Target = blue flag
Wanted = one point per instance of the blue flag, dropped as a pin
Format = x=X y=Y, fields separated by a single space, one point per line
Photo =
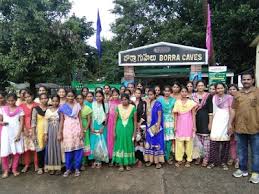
x=98 y=35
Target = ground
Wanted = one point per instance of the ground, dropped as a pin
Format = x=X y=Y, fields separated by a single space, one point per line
x=146 y=180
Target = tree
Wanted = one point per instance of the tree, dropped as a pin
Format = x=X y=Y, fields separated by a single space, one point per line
x=40 y=43
x=234 y=25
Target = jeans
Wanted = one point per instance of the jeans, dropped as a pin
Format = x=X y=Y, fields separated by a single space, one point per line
x=242 y=142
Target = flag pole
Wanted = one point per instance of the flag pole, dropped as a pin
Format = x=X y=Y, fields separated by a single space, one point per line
x=98 y=42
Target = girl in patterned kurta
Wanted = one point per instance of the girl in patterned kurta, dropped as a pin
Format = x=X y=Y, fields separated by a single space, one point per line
x=29 y=147
x=124 y=133
x=154 y=145
x=168 y=104
x=220 y=125
x=86 y=113
x=11 y=119
x=37 y=124
x=51 y=130
x=185 y=128
x=203 y=120
x=71 y=131
x=113 y=103
x=98 y=125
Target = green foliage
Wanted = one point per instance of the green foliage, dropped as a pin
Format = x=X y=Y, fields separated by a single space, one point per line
x=234 y=26
x=39 y=42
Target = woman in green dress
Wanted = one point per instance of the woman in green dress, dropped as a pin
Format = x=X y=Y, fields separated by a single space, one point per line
x=86 y=112
x=125 y=130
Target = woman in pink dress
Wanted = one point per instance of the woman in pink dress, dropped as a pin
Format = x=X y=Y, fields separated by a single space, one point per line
x=185 y=127
x=113 y=103
x=71 y=132
x=29 y=147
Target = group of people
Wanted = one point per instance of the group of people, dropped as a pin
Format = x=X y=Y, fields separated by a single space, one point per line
x=132 y=126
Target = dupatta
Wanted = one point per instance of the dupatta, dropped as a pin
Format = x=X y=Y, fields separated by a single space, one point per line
x=201 y=103
x=152 y=118
x=70 y=111
x=224 y=102
x=12 y=114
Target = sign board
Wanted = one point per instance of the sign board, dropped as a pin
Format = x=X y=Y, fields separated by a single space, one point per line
x=217 y=74
x=165 y=54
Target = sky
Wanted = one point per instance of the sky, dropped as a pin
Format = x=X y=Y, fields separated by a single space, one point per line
x=88 y=8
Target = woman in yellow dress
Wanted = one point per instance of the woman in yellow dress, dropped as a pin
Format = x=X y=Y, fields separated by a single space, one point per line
x=37 y=124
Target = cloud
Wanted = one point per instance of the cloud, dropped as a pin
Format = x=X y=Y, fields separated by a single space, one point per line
x=88 y=8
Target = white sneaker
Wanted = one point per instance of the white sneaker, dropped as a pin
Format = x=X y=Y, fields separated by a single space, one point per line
x=239 y=173
x=254 y=178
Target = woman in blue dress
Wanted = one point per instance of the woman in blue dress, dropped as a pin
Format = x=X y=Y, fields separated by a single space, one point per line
x=154 y=146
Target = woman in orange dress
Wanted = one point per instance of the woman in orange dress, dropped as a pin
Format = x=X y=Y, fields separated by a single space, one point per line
x=29 y=147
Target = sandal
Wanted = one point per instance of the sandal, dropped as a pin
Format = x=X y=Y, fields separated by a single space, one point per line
x=5 y=175
x=170 y=161
x=211 y=166
x=230 y=162
x=82 y=168
x=77 y=173
x=40 y=171
x=111 y=164
x=158 y=166
x=93 y=165
x=128 y=168
x=121 y=169
x=67 y=173
x=25 y=169
x=178 y=164
x=198 y=161
x=36 y=168
x=187 y=165
x=51 y=172
x=99 y=165
x=224 y=166
x=204 y=164
x=15 y=174
x=237 y=165
x=148 y=164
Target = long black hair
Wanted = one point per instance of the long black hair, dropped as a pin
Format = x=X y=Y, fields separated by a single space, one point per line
x=101 y=92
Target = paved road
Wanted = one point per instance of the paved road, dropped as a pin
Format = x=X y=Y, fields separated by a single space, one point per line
x=146 y=180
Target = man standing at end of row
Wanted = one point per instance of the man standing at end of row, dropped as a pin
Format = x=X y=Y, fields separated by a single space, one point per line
x=246 y=126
